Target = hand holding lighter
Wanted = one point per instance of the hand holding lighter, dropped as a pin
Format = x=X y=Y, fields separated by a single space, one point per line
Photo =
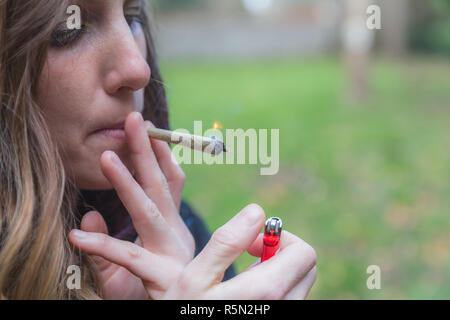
x=272 y=233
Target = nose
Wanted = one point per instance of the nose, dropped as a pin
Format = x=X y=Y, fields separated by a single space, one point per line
x=126 y=68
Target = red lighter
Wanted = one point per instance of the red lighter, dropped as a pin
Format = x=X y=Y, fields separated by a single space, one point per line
x=272 y=233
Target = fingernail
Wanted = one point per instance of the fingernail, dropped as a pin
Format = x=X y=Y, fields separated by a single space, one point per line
x=114 y=158
x=79 y=234
x=252 y=214
x=138 y=115
x=150 y=124
x=141 y=119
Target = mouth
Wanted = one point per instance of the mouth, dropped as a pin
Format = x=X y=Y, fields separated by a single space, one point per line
x=114 y=131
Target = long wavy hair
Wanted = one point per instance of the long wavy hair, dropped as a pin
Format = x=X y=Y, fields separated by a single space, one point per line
x=39 y=205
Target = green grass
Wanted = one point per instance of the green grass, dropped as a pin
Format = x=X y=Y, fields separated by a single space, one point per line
x=362 y=183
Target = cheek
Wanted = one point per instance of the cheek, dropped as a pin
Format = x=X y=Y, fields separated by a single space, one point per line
x=60 y=93
x=64 y=92
x=70 y=92
x=67 y=91
x=51 y=96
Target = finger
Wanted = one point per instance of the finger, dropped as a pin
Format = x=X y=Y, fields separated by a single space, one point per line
x=139 y=261
x=172 y=171
x=274 y=278
x=301 y=291
x=148 y=172
x=138 y=241
x=254 y=264
x=94 y=222
x=150 y=225
x=256 y=248
x=226 y=245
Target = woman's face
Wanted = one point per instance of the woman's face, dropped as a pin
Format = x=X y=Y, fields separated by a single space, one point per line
x=91 y=82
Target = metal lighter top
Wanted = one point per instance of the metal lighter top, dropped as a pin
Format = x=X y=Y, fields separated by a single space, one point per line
x=273 y=226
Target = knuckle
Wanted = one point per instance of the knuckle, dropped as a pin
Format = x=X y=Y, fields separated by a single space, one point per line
x=165 y=187
x=185 y=257
x=158 y=183
x=151 y=209
x=225 y=240
x=162 y=183
x=310 y=254
x=161 y=179
x=135 y=152
x=103 y=242
x=180 y=176
x=188 y=251
x=134 y=251
x=284 y=284
x=272 y=294
x=306 y=254
x=185 y=282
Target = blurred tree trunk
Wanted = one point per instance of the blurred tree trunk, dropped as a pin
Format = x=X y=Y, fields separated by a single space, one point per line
x=357 y=43
x=396 y=20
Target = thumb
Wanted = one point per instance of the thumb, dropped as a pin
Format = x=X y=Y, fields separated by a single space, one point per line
x=227 y=244
x=256 y=248
x=93 y=222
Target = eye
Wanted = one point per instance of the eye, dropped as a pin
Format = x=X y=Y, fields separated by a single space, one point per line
x=64 y=37
x=134 y=21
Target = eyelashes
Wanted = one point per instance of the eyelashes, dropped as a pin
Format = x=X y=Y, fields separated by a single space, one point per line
x=65 y=37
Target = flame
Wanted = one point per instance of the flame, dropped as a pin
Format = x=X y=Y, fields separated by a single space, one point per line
x=217 y=125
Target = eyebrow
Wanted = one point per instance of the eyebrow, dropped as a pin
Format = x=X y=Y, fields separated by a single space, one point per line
x=93 y=7
x=101 y=3
x=134 y=4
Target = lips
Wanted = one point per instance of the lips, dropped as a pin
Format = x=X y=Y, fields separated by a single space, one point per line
x=115 y=131
x=111 y=126
x=119 y=125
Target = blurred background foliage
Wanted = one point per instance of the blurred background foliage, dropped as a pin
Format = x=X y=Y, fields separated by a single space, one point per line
x=178 y=4
x=364 y=129
x=431 y=31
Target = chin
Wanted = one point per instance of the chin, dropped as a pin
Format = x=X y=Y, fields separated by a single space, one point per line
x=94 y=184
x=95 y=180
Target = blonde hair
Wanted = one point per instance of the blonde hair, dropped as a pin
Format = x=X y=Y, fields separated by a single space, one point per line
x=38 y=206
